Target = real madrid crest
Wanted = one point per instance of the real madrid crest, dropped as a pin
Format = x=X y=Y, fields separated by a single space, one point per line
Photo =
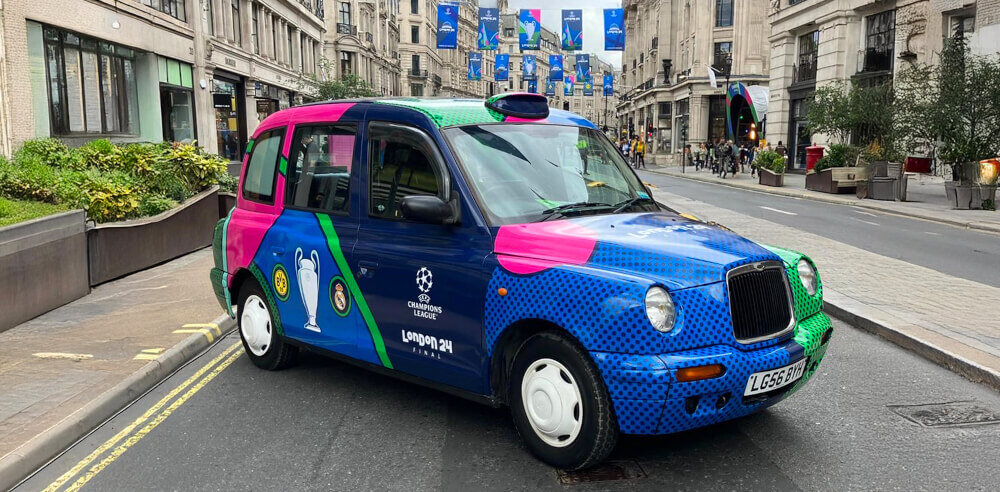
x=340 y=297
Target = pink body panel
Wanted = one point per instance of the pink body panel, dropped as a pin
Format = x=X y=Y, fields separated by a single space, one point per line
x=530 y=248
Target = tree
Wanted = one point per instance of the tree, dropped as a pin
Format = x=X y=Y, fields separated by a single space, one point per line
x=347 y=86
x=852 y=113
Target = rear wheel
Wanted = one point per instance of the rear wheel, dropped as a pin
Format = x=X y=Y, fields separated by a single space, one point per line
x=257 y=330
x=559 y=403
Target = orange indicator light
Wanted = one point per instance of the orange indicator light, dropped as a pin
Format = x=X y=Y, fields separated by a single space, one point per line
x=699 y=373
x=502 y=291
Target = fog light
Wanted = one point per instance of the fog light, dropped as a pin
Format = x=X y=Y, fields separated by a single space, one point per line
x=699 y=373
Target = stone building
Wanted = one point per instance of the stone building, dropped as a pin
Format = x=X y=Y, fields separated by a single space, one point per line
x=670 y=45
x=152 y=70
x=510 y=44
x=362 y=37
x=818 y=42
x=420 y=59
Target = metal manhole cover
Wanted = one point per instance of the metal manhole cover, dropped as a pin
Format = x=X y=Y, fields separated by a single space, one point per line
x=607 y=471
x=948 y=414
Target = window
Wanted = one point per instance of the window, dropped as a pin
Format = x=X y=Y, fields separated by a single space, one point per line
x=416 y=90
x=173 y=8
x=254 y=35
x=274 y=38
x=92 y=85
x=415 y=34
x=291 y=47
x=258 y=183
x=346 y=63
x=723 y=57
x=415 y=62
x=320 y=172
x=237 y=32
x=808 y=49
x=414 y=6
x=962 y=25
x=723 y=13
x=880 y=32
x=345 y=13
x=402 y=164
x=508 y=32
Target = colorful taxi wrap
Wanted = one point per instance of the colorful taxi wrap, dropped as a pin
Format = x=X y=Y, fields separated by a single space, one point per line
x=648 y=399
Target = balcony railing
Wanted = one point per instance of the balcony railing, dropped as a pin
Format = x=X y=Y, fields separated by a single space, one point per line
x=436 y=78
x=369 y=37
x=805 y=71
x=875 y=60
x=416 y=72
x=347 y=29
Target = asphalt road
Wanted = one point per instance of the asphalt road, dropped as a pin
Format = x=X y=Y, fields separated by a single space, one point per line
x=327 y=425
x=952 y=250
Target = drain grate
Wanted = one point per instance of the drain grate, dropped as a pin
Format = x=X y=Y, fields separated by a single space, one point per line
x=949 y=414
x=607 y=471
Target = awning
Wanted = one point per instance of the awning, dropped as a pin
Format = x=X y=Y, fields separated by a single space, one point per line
x=756 y=97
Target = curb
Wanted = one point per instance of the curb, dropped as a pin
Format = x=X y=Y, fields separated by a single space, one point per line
x=951 y=354
x=978 y=226
x=37 y=452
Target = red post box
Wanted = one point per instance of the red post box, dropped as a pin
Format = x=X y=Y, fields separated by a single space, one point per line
x=813 y=154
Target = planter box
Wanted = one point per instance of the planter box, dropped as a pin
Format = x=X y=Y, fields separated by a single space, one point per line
x=226 y=203
x=835 y=180
x=964 y=197
x=121 y=248
x=767 y=178
x=43 y=265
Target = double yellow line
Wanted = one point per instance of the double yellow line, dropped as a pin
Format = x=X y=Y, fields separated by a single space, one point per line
x=192 y=384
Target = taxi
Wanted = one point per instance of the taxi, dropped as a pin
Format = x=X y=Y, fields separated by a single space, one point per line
x=504 y=251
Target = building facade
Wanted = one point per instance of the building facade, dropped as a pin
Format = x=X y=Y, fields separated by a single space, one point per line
x=153 y=70
x=362 y=38
x=668 y=97
x=818 y=42
x=420 y=60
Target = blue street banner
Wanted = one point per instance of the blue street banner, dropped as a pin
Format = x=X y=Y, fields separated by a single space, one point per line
x=502 y=71
x=614 y=35
x=529 y=28
x=475 y=66
x=568 y=85
x=489 y=29
x=588 y=88
x=447 y=30
x=550 y=88
x=533 y=86
x=583 y=67
x=529 y=67
x=572 y=30
x=555 y=67
x=609 y=84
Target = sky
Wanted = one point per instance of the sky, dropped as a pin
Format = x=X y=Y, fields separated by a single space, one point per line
x=593 y=21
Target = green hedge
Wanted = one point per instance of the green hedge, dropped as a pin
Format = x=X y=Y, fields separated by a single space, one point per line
x=838 y=155
x=770 y=160
x=111 y=182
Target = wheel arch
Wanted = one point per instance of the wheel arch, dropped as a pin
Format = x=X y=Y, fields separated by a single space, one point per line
x=509 y=343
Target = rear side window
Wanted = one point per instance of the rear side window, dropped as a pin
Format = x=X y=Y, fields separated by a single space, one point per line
x=258 y=183
x=403 y=163
x=319 y=176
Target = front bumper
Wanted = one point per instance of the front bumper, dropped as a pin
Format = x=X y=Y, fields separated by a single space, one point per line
x=648 y=399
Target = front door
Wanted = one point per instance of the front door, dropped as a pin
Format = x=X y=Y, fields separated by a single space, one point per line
x=425 y=283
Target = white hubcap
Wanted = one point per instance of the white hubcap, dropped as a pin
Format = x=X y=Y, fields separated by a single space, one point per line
x=255 y=325
x=552 y=402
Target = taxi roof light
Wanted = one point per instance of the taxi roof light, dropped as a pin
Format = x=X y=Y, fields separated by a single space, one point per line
x=698 y=373
x=520 y=105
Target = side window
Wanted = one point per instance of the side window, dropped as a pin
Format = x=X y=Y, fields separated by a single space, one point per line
x=403 y=162
x=319 y=175
x=258 y=182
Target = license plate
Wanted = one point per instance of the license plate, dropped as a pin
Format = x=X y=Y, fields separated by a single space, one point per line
x=764 y=381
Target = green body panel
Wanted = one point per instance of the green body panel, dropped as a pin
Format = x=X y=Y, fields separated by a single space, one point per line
x=449 y=112
x=269 y=294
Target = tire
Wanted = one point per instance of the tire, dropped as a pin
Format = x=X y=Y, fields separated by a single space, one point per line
x=261 y=340
x=552 y=432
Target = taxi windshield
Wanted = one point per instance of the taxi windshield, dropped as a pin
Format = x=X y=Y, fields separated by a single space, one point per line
x=530 y=173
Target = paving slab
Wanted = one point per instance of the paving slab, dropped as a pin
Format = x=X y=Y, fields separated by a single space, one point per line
x=70 y=359
x=925 y=197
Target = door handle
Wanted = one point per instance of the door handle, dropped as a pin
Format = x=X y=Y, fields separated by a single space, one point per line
x=278 y=251
x=367 y=268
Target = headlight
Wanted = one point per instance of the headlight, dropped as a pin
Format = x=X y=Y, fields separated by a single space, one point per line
x=807 y=274
x=660 y=309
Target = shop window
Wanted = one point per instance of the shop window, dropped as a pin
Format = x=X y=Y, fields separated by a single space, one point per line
x=92 y=85
x=173 y=8
x=258 y=183
x=320 y=172
x=176 y=100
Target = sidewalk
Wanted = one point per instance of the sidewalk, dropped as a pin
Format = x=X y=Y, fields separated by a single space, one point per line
x=57 y=370
x=950 y=320
x=925 y=197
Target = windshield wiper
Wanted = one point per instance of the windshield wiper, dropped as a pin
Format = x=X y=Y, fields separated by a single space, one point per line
x=572 y=207
x=621 y=207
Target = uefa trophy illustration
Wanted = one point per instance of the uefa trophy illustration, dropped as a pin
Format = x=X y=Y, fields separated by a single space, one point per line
x=307 y=271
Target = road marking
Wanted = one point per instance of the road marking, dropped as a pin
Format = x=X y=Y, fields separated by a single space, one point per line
x=149 y=354
x=865 y=213
x=62 y=355
x=208 y=330
x=778 y=210
x=867 y=222
x=931 y=233
x=120 y=450
x=138 y=421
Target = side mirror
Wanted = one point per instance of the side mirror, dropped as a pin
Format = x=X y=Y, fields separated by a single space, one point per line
x=426 y=208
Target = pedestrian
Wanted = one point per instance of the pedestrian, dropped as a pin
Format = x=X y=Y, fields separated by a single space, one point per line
x=699 y=156
x=751 y=154
x=640 y=154
x=711 y=157
x=631 y=151
x=780 y=149
x=735 y=154
x=724 y=155
x=743 y=157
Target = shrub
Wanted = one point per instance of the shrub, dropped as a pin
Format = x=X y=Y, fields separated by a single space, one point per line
x=228 y=183
x=48 y=151
x=110 y=196
x=770 y=160
x=199 y=169
x=838 y=155
x=154 y=204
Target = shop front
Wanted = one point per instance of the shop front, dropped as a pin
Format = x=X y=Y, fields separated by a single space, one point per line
x=177 y=100
x=228 y=101
x=746 y=110
x=271 y=99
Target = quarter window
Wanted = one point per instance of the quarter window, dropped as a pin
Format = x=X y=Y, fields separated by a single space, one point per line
x=258 y=182
x=319 y=175
x=402 y=164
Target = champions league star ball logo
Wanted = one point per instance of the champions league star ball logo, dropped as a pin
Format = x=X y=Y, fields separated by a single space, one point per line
x=425 y=280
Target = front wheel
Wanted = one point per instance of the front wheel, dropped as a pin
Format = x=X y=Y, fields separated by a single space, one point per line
x=559 y=403
x=261 y=340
